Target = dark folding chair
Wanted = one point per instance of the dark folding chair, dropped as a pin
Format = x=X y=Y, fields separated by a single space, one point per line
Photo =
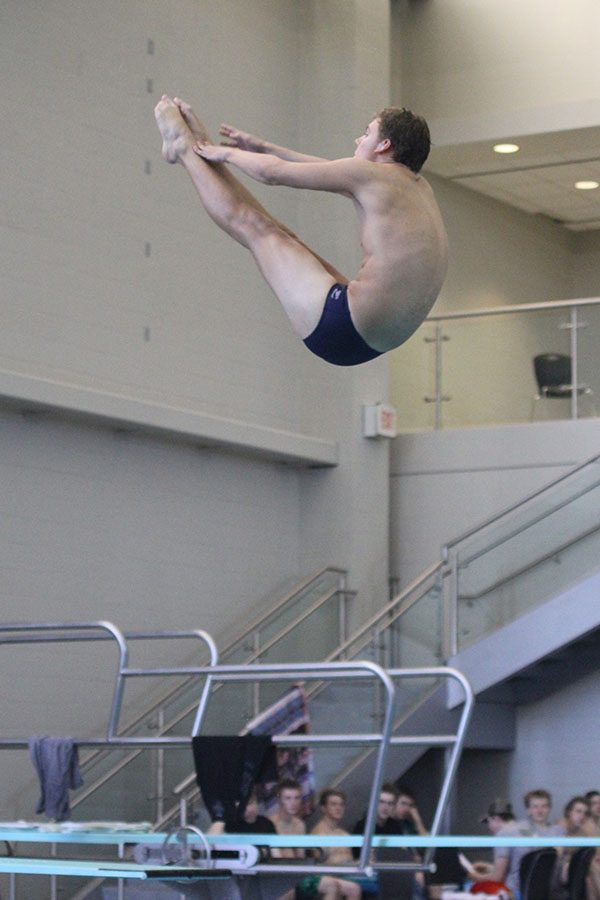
x=553 y=374
x=578 y=870
x=536 y=874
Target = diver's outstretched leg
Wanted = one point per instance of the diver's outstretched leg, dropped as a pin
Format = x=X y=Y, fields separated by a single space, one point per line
x=298 y=277
x=200 y=132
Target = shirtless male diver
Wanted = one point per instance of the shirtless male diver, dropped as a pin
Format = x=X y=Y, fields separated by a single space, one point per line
x=405 y=249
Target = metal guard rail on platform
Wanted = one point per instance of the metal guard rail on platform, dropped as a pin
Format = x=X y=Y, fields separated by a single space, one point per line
x=20 y=633
x=15 y=632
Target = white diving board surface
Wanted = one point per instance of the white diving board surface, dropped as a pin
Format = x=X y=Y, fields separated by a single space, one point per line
x=90 y=869
x=105 y=836
x=406 y=840
x=33 y=835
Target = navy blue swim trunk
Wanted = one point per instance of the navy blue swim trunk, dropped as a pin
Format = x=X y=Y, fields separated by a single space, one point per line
x=335 y=339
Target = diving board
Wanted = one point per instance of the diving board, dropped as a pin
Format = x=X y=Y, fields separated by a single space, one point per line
x=19 y=865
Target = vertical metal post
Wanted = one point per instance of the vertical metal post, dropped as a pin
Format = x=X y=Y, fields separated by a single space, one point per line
x=439 y=397
x=121 y=881
x=183 y=810
x=53 y=877
x=438 y=377
x=386 y=732
x=342 y=609
x=342 y=628
x=160 y=769
x=450 y=599
x=256 y=684
x=574 y=363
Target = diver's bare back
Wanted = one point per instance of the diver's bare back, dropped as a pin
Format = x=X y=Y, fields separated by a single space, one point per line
x=405 y=255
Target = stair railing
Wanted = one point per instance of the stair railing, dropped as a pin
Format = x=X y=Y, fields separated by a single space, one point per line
x=249 y=637
x=522 y=557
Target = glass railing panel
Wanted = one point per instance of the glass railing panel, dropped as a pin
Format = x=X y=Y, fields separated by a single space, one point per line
x=485 y=368
x=483 y=611
x=588 y=333
x=416 y=640
x=417 y=636
x=311 y=640
x=229 y=709
x=488 y=366
x=242 y=704
x=570 y=499
x=242 y=649
x=411 y=639
x=412 y=379
x=525 y=563
x=129 y=796
x=133 y=793
x=328 y=583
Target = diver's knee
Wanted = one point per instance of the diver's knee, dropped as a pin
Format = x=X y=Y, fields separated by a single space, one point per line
x=251 y=222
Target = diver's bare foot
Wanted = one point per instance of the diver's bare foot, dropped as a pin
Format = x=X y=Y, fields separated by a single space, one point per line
x=177 y=138
x=193 y=122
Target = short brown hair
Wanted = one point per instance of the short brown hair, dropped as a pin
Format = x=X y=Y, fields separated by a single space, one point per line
x=331 y=792
x=287 y=784
x=573 y=802
x=389 y=788
x=408 y=135
x=539 y=794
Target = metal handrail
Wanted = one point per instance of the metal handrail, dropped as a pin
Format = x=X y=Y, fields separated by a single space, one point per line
x=572 y=306
x=170 y=694
x=454 y=742
x=524 y=569
x=547 y=306
x=538 y=492
x=391 y=612
x=310 y=671
x=390 y=608
x=113 y=632
x=260 y=620
x=188 y=781
x=84 y=631
x=134 y=754
x=347 y=670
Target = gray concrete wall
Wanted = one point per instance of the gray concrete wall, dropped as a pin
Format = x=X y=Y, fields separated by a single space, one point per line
x=568 y=718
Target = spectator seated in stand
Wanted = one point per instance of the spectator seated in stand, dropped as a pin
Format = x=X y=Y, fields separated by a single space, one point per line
x=286 y=819
x=507 y=860
x=574 y=821
x=592 y=829
x=406 y=818
x=384 y=823
x=251 y=822
x=332 y=804
x=499 y=815
x=592 y=798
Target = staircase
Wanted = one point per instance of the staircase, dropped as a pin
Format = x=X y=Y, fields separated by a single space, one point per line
x=507 y=583
x=119 y=780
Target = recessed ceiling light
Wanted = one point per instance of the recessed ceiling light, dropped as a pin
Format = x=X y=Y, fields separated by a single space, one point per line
x=587 y=185
x=506 y=148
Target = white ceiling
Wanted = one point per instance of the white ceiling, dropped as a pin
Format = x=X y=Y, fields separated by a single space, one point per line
x=540 y=178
